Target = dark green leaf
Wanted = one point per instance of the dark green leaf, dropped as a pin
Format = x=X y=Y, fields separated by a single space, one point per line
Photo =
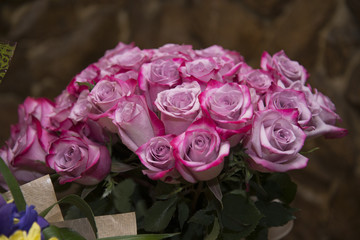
x=142 y=237
x=122 y=195
x=87 y=190
x=260 y=233
x=61 y=233
x=78 y=202
x=159 y=215
x=13 y=186
x=239 y=216
x=201 y=217
x=6 y=53
x=119 y=167
x=214 y=232
x=279 y=186
x=275 y=213
x=214 y=187
x=183 y=213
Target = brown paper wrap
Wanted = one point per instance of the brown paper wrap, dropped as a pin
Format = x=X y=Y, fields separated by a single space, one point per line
x=108 y=225
x=41 y=194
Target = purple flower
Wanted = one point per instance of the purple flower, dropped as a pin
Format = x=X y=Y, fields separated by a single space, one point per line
x=25 y=219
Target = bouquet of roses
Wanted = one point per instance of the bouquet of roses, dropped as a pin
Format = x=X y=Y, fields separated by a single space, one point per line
x=193 y=141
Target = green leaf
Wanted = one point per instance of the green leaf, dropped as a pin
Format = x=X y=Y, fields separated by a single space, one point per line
x=119 y=167
x=122 y=195
x=87 y=190
x=89 y=85
x=159 y=215
x=78 y=202
x=109 y=186
x=61 y=233
x=275 y=213
x=239 y=216
x=214 y=187
x=13 y=186
x=202 y=218
x=214 y=232
x=183 y=213
x=142 y=237
x=7 y=50
x=279 y=186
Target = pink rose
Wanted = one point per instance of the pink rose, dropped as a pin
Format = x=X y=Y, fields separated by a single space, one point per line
x=135 y=123
x=22 y=175
x=275 y=141
x=158 y=76
x=129 y=59
x=201 y=70
x=290 y=99
x=157 y=156
x=81 y=108
x=258 y=79
x=170 y=51
x=179 y=107
x=40 y=108
x=104 y=98
x=90 y=75
x=76 y=158
x=218 y=51
x=107 y=92
x=28 y=145
x=199 y=152
x=287 y=70
x=229 y=106
x=323 y=122
x=63 y=105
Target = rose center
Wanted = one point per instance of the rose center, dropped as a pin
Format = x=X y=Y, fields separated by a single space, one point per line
x=72 y=154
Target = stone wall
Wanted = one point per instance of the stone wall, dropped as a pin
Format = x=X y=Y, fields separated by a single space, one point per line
x=57 y=39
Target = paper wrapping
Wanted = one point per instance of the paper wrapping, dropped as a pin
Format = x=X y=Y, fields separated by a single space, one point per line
x=41 y=194
x=108 y=225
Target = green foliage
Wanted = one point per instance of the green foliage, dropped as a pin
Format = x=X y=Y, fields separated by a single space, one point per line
x=13 y=186
x=142 y=237
x=122 y=195
x=79 y=203
x=159 y=215
x=239 y=216
x=61 y=233
x=7 y=50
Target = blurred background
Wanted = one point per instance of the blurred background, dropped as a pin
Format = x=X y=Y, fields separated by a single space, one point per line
x=56 y=39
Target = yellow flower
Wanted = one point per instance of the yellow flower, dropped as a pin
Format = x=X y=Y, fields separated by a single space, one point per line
x=33 y=234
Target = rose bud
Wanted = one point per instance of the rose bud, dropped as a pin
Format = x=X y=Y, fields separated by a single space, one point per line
x=77 y=159
x=135 y=123
x=157 y=156
x=199 y=152
x=275 y=141
x=179 y=107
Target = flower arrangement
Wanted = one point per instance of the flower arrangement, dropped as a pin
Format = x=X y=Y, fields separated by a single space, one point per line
x=193 y=141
